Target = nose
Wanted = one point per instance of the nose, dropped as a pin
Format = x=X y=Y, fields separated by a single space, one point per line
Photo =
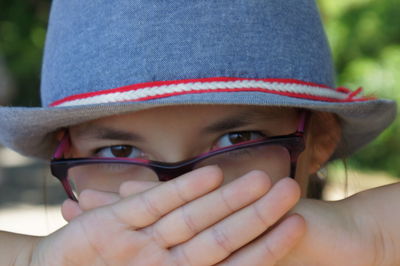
x=168 y=174
x=174 y=151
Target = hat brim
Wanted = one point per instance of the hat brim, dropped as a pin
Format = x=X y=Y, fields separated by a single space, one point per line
x=30 y=130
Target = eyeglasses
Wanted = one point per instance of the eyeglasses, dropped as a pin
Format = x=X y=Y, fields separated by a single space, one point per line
x=275 y=155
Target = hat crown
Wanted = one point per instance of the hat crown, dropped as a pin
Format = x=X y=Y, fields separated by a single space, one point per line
x=98 y=45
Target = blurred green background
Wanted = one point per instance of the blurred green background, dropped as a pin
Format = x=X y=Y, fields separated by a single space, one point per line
x=365 y=39
x=364 y=36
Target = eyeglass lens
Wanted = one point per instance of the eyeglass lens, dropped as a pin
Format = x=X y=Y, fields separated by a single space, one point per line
x=273 y=159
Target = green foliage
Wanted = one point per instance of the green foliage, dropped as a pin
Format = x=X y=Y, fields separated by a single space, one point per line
x=382 y=154
x=22 y=32
x=365 y=38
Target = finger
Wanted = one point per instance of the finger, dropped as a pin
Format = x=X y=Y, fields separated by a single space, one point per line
x=147 y=207
x=183 y=223
x=130 y=188
x=70 y=209
x=272 y=247
x=219 y=241
x=90 y=199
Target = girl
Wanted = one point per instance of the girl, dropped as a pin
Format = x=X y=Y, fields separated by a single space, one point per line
x=231 y=102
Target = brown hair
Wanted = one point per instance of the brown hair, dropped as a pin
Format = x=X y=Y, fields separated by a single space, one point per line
x=324 y=133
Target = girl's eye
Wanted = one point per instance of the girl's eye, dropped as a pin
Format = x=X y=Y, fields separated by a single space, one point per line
x=121 y=151
x=238 y=137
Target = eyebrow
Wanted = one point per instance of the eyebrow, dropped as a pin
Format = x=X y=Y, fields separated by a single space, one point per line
x=107 y=133
x=238 y=120
x=230 y=122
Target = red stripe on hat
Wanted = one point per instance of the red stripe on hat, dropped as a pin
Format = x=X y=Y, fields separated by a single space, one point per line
x=295 y=95
x=175 y=82
x=209 y=80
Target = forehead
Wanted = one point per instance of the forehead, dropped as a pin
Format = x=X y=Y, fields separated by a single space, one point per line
x=196 y=115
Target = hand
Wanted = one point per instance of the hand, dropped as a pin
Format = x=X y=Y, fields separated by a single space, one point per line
x=340 y=233
x=147 y=229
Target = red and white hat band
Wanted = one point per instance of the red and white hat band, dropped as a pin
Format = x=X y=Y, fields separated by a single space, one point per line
x=161 y=89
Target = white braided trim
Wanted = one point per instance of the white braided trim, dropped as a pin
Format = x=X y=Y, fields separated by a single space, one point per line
x=200 y=86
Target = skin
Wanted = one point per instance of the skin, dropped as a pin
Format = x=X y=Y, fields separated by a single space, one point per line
x=186 y=139
x=183 y=132
x=183 y=230
x=137 y=226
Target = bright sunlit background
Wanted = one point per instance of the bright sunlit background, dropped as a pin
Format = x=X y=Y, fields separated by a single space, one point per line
x=364 y=36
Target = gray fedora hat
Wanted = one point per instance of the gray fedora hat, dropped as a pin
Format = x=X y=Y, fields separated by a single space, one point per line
x=104 y=58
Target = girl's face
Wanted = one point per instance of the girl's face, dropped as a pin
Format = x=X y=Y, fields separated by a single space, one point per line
x=173 y=134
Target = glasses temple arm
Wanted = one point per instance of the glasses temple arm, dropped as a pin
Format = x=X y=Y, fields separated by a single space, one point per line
x=62 y=147
x=302 y=122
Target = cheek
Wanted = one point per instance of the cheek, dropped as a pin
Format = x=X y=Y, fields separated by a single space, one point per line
x=107 y=177
x=273 y=160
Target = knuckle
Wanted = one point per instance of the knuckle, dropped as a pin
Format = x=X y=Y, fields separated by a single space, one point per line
x=118 y=215
x=260 y=217
x=150 y=206
x=157 y=235
x=179 y=192
x=226 y=201
x=189 y=221
x=181 y=257
x=222 y=240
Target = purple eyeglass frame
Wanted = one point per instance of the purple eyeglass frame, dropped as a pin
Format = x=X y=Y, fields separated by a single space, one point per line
x=59 y=166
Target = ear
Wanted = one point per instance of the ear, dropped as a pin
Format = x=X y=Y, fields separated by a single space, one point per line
x=324 y=133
